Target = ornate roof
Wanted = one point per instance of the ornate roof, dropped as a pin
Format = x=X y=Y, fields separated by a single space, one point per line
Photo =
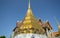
x=30 y=21
x=30 y=24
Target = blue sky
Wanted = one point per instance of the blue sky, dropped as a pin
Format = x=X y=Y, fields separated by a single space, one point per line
x=13 y=10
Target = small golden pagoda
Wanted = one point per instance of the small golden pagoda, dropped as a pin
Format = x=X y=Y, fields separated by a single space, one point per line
x=31 y=25
x=58 y=32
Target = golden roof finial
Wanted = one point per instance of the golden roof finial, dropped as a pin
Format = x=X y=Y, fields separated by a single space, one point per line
x=29 y=4
x=29 y=22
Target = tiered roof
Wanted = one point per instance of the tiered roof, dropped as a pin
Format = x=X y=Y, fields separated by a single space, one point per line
x=30 y=24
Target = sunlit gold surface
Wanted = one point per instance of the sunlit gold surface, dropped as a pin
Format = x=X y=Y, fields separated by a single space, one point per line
x=30 y=24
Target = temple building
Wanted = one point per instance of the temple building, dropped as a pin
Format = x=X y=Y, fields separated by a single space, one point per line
x=30 y=27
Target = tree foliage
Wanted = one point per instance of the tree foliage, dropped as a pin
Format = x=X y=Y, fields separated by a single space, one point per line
x=2 y=37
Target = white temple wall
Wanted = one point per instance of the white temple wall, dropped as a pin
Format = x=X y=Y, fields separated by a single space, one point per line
x=30 y=36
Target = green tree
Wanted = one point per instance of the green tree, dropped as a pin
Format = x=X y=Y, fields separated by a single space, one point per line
x=2 y=37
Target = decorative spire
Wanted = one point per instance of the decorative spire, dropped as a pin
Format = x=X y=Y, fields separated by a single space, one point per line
x=56 y=21
x=29 y=4
x=58 y=25
x=29 y=22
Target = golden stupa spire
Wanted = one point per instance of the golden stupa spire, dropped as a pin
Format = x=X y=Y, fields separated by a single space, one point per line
x=29 y=11
x=29 y=23
x=29 y=4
